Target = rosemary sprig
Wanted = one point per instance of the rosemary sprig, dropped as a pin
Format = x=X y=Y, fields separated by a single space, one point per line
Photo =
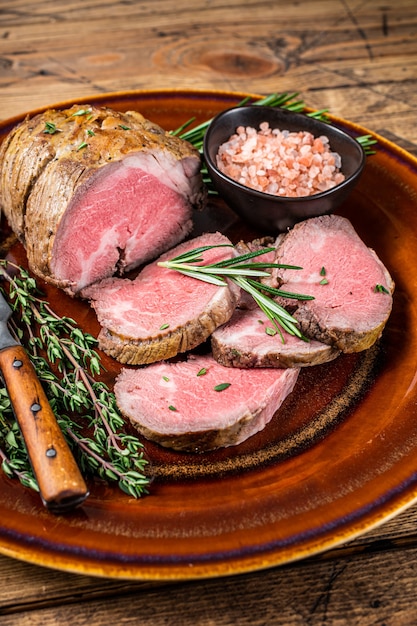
x=68 y=365
x=242 y=271
x=284 y=101
x=288 y=101
x=366 y=142
x=195 y=136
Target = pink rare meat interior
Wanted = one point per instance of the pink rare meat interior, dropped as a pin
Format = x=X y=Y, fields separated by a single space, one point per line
x=148 y=211
x=158 y=297
x=250 y=339
x=177 y=404
x=352 y=289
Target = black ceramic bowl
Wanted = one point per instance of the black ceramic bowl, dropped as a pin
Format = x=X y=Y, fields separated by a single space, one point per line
x=270 y=213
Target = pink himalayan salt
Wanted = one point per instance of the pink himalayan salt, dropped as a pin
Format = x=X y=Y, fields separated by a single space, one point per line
x=280 y=162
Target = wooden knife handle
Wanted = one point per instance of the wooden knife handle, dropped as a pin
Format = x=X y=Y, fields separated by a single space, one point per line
x=61 y=484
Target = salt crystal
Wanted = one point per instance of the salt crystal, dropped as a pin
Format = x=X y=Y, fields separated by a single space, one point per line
x=275 y=161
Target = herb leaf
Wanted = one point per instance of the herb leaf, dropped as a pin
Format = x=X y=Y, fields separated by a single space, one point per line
x=381 y=289
x=51 y=129
x=81 y=112
x=222 y=386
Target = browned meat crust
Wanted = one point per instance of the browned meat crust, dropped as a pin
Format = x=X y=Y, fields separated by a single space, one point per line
x=47 y=158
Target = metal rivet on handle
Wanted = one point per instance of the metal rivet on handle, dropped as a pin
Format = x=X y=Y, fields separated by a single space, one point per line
x=35 y=407
x=51 y=452
x=17 y=363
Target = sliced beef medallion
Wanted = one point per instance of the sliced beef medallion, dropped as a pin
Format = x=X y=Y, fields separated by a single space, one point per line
x=351 y=286
x=161 y=312
x=91 y=192
x=198 y=405
x=249 y=339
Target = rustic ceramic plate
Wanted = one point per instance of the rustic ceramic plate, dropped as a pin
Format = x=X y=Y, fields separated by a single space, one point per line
x=339 y=458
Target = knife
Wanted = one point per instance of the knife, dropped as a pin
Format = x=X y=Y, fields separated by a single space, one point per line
x=60 y=482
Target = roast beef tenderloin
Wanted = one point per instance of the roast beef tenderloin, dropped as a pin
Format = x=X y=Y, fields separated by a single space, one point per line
x=352 y=288
x=162 y=313
x=250 y=339
x=179 y=405
x=91 y=192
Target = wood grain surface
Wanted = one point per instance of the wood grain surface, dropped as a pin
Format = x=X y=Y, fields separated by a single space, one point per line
x=357 y=58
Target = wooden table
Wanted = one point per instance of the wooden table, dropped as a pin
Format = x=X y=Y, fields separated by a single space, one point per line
x=357 y=58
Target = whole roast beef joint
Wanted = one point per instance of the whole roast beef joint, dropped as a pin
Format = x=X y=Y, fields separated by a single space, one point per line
x=92 y=192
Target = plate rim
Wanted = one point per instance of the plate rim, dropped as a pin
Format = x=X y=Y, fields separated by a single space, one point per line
x=85 y=566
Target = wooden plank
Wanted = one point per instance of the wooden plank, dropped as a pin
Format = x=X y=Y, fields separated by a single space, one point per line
x=365 y=590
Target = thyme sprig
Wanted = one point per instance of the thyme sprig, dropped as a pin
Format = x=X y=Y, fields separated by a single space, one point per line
x=14 y=460
x=68 y=366
x=242 y=271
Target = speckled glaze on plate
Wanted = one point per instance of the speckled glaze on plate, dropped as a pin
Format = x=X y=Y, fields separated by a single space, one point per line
x=337 y=459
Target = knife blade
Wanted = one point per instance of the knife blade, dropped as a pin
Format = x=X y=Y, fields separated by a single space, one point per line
x=60 y=482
